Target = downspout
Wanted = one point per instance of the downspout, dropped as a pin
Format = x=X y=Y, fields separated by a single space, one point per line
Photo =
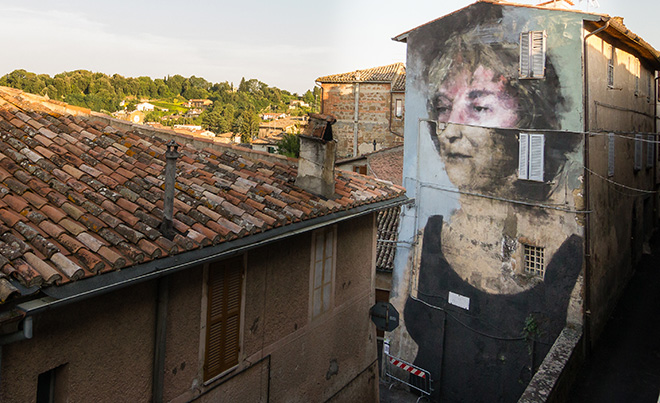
x=161 y=338
x=24 y=334
x=320 y=100
x=356 y=118
x=587 y=200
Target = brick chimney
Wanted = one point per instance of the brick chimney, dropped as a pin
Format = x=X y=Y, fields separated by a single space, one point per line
x=316 y=166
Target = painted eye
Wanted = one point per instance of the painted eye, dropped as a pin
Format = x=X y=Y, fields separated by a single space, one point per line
x=479 y=108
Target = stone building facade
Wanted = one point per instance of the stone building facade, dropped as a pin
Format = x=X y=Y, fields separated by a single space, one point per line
x=369 y=107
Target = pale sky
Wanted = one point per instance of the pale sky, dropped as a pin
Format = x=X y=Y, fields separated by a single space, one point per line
x=285 y=43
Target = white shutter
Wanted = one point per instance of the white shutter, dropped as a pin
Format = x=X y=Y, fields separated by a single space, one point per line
x=536 y=151
x=650 y=150
x=523 y=151
x=532 y=54
x=610 y=155
x=638 y=152
x=537 y=54
x=524 y=54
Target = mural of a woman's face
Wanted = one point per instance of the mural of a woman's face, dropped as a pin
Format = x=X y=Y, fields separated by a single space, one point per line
x=474 y=100
x=476 y=97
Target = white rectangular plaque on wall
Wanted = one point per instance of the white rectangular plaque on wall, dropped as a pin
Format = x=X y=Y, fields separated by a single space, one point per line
x=459 y=300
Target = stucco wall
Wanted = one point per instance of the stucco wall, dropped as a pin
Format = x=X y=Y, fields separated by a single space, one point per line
x=375 y=112
x=105 y=342
x=622 y=218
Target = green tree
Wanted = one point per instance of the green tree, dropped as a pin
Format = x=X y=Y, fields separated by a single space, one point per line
x=289 y=145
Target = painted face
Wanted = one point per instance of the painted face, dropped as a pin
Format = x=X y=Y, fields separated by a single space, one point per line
x=475 y=98
x=476 y=102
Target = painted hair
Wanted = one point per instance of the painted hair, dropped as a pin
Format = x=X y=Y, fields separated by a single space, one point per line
x=539 y=100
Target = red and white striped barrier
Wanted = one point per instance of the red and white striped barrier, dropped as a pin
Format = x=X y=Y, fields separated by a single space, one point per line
x=407 y=367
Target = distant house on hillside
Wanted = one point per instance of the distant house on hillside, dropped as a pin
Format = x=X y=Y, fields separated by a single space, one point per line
x=144 y=107
x=368 y=105
x=199 y=103
x=295 y=103
x=136 y=116
x=272 y=116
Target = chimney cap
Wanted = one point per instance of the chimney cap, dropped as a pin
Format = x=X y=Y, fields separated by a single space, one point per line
x=319 y=127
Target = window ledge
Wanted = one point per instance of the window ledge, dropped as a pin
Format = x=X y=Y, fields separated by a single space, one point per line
x=221 y=375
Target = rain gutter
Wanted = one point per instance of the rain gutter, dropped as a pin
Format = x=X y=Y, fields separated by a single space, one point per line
x=102 y=284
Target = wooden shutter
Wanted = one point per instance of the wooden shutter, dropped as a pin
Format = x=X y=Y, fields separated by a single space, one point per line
x=610 y=155
x=225 y=284
x=323 y=274
x=523 y=152
x=536 y=156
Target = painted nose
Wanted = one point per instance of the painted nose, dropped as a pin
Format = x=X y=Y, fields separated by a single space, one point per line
x=453 y=132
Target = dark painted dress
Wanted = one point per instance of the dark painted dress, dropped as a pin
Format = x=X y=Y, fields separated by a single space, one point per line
x=483 y=355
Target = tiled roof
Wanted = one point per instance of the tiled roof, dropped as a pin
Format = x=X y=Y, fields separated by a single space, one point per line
x=388 y=226
x=80 y=198
x=394 y=73
x=387 y=164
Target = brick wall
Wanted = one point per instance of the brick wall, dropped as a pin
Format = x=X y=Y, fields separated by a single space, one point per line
x=375 y=110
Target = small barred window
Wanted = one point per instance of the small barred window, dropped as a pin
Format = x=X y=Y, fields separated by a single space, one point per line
x=534 y=260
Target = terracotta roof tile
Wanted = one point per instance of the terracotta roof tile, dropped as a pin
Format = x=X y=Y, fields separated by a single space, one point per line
x=90 y=260
x=47 y=273
x=91 y=200
x=28 y=276
x=393 y=73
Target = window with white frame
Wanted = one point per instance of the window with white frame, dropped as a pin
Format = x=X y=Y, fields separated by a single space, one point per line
x=531 y=156
x=398 y=112
x=532 y=54
x=323 y=271
x=610 y=68
x=610 y=155
x=534 y=260
x=650 y=150
x=638 y=152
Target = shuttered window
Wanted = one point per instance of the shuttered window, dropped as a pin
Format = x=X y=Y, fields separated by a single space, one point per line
x=225 y=284
x=610 y=155
x=323 y=276
x=532 y=54
x=650 y=150
x=531 y=156
x=638 y=152
x=399 y=108
x=610 y=68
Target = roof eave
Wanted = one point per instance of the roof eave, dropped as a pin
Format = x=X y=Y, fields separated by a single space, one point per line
x=98 y=285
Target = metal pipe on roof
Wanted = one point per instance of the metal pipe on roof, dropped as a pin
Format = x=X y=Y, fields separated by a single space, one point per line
x=171 y=155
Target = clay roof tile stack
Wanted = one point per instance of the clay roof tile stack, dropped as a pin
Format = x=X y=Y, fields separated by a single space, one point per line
x=79 y=199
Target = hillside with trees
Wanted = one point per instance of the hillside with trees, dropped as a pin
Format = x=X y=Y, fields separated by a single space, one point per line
x=233 y=109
